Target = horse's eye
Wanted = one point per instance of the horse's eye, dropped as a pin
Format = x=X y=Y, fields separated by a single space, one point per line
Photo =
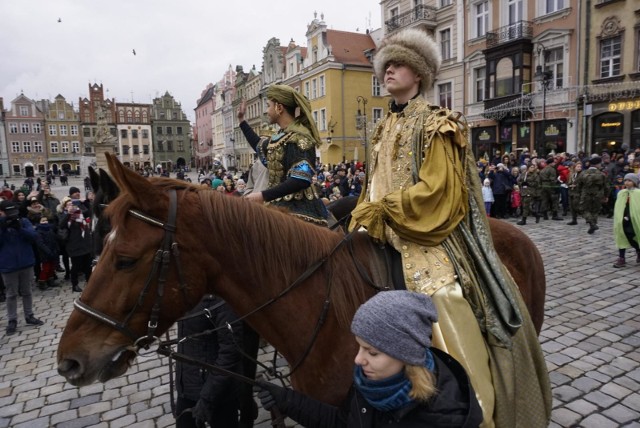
x=125 y=263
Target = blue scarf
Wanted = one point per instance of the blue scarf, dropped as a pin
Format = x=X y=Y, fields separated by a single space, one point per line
x=391 y=393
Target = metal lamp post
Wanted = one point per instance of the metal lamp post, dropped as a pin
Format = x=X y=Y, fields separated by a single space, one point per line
x=361 y=123
x=544 y=77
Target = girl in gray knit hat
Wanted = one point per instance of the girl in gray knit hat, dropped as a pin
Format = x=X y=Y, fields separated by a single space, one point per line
x=399 y=379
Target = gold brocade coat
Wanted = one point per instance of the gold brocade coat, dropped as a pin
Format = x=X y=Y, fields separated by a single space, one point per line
x=423 y=195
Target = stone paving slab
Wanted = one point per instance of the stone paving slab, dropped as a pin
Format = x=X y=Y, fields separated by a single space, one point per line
x=591 y=340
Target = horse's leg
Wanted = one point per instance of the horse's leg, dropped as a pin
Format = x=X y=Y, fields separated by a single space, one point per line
x=250 y=346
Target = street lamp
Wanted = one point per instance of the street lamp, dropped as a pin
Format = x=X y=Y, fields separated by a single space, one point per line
x=544 y=77
x=361 y=123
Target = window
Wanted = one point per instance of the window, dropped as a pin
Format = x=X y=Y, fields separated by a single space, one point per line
x=169 y=130
x=134 y=133
x=307 y=91
x=515 y=12
x=74 y=130
x=479 y=80
x=322 y=126
x=145 y=149
x=393 y=18
x=36 y=128
x=26 y=146
x=75 y=146
x=63 y=130
x=61 y=115
x=160 y=146
x=315 y=116
x=16 y=169
x=179 y=130
x=136 y=149
x=145 y=133
x=554 y=6
x=37 y=147
x=159 y=130
x=481 y=11
x=554 y=64
x=314 y=89
x=444 y=3
x=321 y=86
x=86 y=132
x=53 y=130
x=53 y=147
x=444 y=95
x=24 y=110
x=123 y=133
x=169 y=146
x=24 y=128
x=129 y=116
x=610 y=54
x=15 y=147
x=125 y=150
x=376 y=88
x=377 y=114
x=121 y=116
x=181 y=146
x=445 y=44
x=13 y=128
x=64 y=146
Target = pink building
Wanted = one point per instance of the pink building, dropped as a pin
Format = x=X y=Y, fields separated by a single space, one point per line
x=203 y=135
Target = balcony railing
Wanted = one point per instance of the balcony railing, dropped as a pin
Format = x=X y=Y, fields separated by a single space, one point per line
x=508 y=33
x=611 y=91
x=419 y=14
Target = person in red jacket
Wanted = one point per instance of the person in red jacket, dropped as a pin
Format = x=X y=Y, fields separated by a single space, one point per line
x=563 y=178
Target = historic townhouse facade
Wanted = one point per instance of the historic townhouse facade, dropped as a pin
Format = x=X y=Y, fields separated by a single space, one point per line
x=248 y=87
x=171 y=134
x=346 y=98
x=63 y=143
x=203 y=137
x=223 y=121
x=135 y=143
x=521 y=64
x=89 y=109
x=4 y=158
x=609 y=101
x=25 y=138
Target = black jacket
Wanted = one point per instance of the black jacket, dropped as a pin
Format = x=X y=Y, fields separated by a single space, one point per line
x=219 y=348
x=455 y=405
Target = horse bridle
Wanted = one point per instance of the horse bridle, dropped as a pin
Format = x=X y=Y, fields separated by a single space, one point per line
x=159 y=269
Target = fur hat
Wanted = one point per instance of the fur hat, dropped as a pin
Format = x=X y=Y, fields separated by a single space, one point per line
x=633 y=177
x=595 y=160
x=397 y=323
x=413 y=48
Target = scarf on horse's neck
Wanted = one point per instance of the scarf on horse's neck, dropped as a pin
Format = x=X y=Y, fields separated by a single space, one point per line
x=391 y=393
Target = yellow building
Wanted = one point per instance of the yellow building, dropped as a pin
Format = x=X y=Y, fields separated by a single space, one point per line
x=346 y=98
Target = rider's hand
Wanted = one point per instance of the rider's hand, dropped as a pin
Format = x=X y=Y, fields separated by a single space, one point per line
x=242 y=110
x=255 y=197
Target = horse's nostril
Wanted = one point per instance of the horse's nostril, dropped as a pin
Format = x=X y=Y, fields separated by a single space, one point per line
x=68 y=367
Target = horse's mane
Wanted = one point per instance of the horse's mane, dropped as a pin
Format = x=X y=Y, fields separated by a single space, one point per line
x=265 y=239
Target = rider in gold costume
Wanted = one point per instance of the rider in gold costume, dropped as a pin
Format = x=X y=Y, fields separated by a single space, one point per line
x=423 y=198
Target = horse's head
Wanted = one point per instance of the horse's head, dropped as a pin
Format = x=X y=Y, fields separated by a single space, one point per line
x=138 y=272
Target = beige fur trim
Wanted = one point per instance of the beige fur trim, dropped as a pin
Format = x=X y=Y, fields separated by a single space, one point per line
x=412 y=47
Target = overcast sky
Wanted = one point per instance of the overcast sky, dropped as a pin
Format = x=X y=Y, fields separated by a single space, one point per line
x=180 y=45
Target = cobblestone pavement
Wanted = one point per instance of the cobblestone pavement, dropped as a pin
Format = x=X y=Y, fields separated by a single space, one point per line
x=591 y=339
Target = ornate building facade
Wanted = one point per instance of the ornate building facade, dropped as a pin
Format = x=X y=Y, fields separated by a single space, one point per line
x=135 y=142
x=25 y=138
x=171 y=134
x=63 y=142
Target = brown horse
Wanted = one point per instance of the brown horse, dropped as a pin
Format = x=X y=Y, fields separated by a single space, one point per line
x=223 y=242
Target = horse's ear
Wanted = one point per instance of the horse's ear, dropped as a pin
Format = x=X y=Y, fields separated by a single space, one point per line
x=95 y=179
x=133 y=183
x=109 y=187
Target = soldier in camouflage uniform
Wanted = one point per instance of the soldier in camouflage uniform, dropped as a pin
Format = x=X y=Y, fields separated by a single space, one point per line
x=549 y=190
x=593 y=189
x=529 y=184
x=574 y=194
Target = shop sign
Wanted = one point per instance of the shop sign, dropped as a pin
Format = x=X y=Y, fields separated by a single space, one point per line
x=551 y=131
x=484 y=135
x=624 y=105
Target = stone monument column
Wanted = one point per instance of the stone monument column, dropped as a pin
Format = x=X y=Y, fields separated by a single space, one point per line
x=105 y=142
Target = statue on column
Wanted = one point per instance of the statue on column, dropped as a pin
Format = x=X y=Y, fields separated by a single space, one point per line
x=104 y=141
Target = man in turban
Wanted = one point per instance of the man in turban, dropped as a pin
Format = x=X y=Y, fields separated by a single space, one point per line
x=289 y=154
